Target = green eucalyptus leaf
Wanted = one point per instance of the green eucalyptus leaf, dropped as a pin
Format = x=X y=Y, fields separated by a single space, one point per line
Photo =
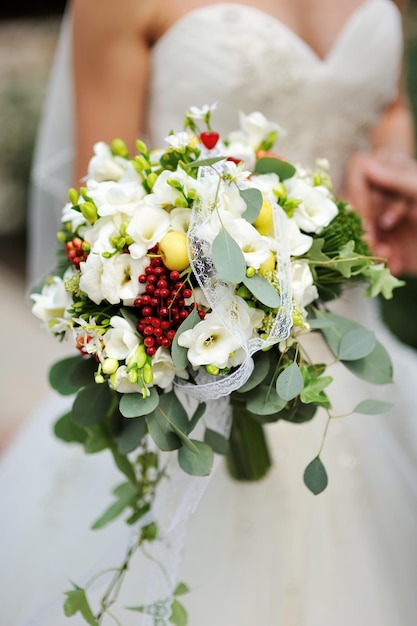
x=76 y=602
x=197 y=463
x=135 y=405
x=228 y=258
x=216 y=441
x=269 y=165
x=375 y=368
x=372 y=407
x=97 y=439
x=67 y=430
x=60 y=376
x=262 y=290
x=91 y=404
x=176 y=417
x=356 y=344
x=264 y=401
x=315 y=476
x=178 y=353
x=124 y=465
x=181 y=589
x=204 y=162
x=259 y=373
x=196 y=416
x=253 y=200
x=160 y=431
x=290 y=382
x=131 y=435
x=83 y=372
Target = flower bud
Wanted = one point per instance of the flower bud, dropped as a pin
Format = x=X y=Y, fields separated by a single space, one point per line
x=141 y=163
x=109 y=365
x=151 y=179
x=147 y=374
x=99 y=379
x=280 y=191
x=73 y=196
x=141 y=147
x=213 y=370
x=118 y=147
x=181 y=202
x=250 y=272
x=89 y=210
x=132 y=376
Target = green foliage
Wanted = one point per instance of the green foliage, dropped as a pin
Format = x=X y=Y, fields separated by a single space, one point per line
x=77 y=602
x=228 y=258
x=61 y=376
x=259 y=373
x=91 y=404
x=216 y=441
x=315 y=476
x=264 y=400
x=125 y=497
x=262 y=290
x=178 y=353
x=372 y=407
x=197 y=463
x=135 y=405
x=253 y=199
x=272 y=165
x=290 y=382
x=67 y=430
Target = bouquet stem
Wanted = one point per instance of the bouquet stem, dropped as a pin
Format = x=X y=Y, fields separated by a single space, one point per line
x=248 y=456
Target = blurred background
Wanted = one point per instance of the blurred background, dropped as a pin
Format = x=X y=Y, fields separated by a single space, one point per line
x=28 y=35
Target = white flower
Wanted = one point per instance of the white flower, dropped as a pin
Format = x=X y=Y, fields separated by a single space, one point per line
x=257 y=128
x=121 y=383
x=179 y=140
x=121 y=340
x=209 y=343
x=238 y=148
x=299 y=242
x=180 y=219
x=111 y=279
x=255 y=247
x=163 y=369
x=197 y=113
x=100 y=234
x=74 y=217
x=51 y=304
x=316 y=209
x=111 y=197
x=148 y=225
x=303 y=289
x=165 y=194
x=104 y=165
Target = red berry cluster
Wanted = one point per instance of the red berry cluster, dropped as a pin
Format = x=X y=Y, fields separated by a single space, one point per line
x=75 y=252
x=162 y=307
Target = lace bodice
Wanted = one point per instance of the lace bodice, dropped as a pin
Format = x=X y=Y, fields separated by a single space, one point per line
x=242 y=58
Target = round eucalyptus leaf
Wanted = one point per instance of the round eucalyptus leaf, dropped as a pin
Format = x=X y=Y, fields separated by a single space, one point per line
x=91 y=404
x=290 y=382
x=315 y=476
x=196 y=463
x=372 y=407
x=264 y=401
x=60 y=376
x=356 y=344
x=135 y=405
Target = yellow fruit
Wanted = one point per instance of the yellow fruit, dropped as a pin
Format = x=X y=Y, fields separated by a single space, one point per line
x=264 y=222
x=269 y=264
x=173 y=250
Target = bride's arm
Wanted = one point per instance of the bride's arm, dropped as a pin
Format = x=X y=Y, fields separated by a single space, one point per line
x=110 y=65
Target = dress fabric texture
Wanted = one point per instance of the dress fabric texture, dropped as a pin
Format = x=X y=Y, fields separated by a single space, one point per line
x=266 y=553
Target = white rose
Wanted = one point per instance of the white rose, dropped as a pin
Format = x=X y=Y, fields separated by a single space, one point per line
x=53 y=301
x=303 y=289
x=104 y=165
x=316 y=209
x=121 y=339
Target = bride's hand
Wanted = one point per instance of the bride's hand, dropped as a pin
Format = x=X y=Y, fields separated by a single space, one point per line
x=382 y=186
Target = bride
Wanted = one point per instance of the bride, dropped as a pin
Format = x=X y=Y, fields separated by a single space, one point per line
x=267 y=553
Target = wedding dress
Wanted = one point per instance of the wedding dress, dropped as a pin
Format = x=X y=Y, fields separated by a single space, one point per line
x=266 y=553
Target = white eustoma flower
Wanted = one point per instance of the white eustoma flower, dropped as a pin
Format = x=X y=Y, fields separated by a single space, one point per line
x=316 y=210
x=249 y=319
x=121 y=339
x=165 y=194
x=100 y=234
x=197 y=113
x=113 y=279
x=180 y=219
x=303 y=289
x=299 y=242
x=104 y=165
x=163 y=369
x=257 y=128
x=111 y=197
x=148 y=225
x=72 y=216
x=255 y=247
x=209 y=343
x=179 y=140
x=51 y=304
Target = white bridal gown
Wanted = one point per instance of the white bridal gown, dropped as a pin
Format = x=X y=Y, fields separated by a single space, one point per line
x=270 y=553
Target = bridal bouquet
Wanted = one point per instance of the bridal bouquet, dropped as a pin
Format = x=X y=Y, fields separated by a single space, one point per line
x=192 y=273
